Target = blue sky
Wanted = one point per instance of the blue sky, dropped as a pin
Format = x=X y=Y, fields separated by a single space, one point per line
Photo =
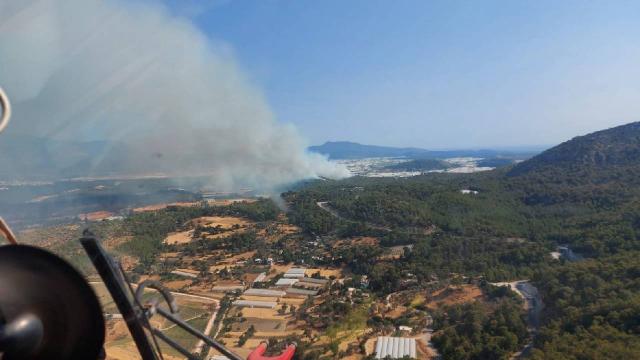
x=435 y=74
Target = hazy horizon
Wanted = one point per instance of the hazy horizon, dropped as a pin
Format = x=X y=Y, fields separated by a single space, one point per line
x=243 y=88
x=524 y=147
x=436 y=74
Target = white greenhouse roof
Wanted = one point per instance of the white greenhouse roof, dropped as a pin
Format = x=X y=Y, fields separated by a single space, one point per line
x=395 y=347
x=286 y=282
x=264 y=292
x=255 y=304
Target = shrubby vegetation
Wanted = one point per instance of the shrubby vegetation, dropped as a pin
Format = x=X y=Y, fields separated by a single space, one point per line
x=594 y=305
x=149 y=229
x=493 y=259
x=476 y=331
x=584 y=194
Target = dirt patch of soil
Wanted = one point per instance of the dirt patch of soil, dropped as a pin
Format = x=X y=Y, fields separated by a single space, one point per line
x=182 y=237
x=225 y=222
x=325 y=272
x=177 y=284
x=359 y=240
x=156 y=207
x=454 y=295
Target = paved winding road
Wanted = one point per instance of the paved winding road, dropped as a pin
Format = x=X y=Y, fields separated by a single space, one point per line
x=533 y=304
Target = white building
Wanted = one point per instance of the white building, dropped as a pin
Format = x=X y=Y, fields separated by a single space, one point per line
x=295 y=273
x=255 y=304
x=264 y=293
x=260 y=278
x=395 y=347
x=301 y=292
x=286 y=282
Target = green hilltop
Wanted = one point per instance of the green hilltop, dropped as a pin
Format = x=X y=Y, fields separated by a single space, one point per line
x=583 y=194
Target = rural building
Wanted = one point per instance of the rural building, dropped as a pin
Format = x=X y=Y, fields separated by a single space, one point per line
x=395 y=347
x=364 y=281
x=300 y=292
x=286 y=282
x=260 y=278
x=253 y=278
x=568 y=254
x=255 y=304
x=309 y=285
x=315 y=281
x=295 y=273
x=264 y=293
x=469 y=192
x=428 y=320
x=312 y=283
x=187 y=273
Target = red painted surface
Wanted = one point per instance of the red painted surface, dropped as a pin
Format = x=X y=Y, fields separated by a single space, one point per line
x=262 y=348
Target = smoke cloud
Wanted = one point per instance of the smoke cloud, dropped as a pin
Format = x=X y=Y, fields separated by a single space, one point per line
x=167 y=98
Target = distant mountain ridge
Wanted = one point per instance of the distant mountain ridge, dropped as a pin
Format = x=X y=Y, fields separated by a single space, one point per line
x=338 y=150
x=604 y=150
x=599 y=170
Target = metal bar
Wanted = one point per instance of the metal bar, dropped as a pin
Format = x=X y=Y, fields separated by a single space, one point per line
x=114 y=283
x=195 y=332
x=5 y=105
x=174 y=344
x=6 y=231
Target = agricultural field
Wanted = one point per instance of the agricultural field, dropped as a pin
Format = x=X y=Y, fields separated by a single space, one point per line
x=194 y=310
x=211 y=255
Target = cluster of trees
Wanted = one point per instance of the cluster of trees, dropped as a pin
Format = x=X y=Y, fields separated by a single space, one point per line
x=306 y=213
x=417 y=203
x=234 y=243
x=592 y=309
x=334 y=311
x=246 y=335
x=585 y=194
x=595 y=210
x=505 y=232
x=478 y=330
x=495 y=259
x=261 y=210
x=360 y=258
x=441 y=255
x=149 y=229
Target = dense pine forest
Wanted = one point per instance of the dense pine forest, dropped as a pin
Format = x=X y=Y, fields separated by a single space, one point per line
x=583 y=194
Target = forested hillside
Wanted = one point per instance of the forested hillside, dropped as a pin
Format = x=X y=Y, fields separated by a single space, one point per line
x=584 y=193
x=595 y=154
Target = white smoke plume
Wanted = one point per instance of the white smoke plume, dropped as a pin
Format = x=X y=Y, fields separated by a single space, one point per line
x=170 y=99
